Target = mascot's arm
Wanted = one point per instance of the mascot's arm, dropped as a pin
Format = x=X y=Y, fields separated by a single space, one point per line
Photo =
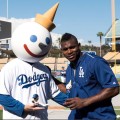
x=11 y=105
x=60 y=85
x=60 y=98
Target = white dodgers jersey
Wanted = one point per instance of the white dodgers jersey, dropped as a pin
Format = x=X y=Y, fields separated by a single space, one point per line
x=21 y=80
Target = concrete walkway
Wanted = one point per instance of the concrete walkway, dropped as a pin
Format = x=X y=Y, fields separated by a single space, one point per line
x=116 y=100
x=58 y=112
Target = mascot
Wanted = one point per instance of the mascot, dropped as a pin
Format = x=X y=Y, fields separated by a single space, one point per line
x=25 y=83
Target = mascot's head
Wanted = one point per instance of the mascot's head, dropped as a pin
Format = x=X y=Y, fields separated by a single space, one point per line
x=32 y=41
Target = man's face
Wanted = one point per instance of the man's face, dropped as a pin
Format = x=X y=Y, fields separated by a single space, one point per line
x=71 y=50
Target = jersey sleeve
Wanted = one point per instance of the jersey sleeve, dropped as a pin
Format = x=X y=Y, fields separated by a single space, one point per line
x=60 y=98
x=54 y=88
x=12 y=105
x=104 y=74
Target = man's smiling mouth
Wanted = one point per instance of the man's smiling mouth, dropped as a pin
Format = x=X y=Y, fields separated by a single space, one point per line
x=32 y=54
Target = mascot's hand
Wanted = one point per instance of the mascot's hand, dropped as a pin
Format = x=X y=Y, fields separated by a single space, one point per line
x=32 y=107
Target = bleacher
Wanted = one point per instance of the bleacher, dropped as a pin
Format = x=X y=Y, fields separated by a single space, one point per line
x=3 y=61
x=53 y=63
x=111 y=57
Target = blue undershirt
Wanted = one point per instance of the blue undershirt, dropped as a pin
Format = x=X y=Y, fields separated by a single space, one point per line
x=12 y=105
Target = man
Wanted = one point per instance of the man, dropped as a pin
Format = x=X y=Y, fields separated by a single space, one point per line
x=93 y=83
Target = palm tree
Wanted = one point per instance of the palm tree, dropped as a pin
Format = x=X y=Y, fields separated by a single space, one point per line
x=100 y=34
x=89 y=42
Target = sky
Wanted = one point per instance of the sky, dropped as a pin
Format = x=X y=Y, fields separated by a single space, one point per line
x=82 y=18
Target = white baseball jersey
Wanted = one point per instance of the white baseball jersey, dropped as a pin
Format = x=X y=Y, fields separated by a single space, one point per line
x=21 y=80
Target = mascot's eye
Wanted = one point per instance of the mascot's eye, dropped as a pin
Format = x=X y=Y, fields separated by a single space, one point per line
x=48 y=41
x=33 y=38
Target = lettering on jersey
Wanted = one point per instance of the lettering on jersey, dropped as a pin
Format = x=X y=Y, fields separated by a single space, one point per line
x=81 y=72
x=28 y=81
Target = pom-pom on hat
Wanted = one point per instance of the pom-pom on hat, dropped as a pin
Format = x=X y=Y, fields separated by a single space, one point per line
x=46 y=20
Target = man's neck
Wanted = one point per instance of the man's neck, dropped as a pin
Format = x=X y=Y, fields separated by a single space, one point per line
x=74 y=63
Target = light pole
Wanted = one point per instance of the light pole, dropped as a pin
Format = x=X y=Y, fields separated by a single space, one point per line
x=113 y=25
x=7 y=9
x=113 y=29
x=7 y=20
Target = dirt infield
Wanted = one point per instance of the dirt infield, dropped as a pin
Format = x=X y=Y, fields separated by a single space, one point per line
x=49 y=107
x=1 y=107
x=56 y=107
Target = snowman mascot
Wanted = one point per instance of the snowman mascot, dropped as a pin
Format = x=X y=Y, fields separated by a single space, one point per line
x=25 y=83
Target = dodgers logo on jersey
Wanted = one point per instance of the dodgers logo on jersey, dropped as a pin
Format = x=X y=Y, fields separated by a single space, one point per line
x=28 y=81
x=81 y=72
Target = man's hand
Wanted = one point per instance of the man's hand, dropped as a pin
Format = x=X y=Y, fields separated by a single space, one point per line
x=32 y=107
x=75 y=103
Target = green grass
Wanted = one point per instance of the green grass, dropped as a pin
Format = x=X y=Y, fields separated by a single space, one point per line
x=116 y=107
x=1 y=114
x=118 y=79
x=116 y=111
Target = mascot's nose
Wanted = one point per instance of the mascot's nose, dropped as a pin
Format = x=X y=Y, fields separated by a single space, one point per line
x=42 y=46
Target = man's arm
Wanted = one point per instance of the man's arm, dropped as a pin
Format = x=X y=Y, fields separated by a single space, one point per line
x=60 y=85
x=76 y=103
x=16 y=107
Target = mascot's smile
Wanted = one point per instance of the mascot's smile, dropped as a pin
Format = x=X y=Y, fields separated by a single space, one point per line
x=32 y=54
